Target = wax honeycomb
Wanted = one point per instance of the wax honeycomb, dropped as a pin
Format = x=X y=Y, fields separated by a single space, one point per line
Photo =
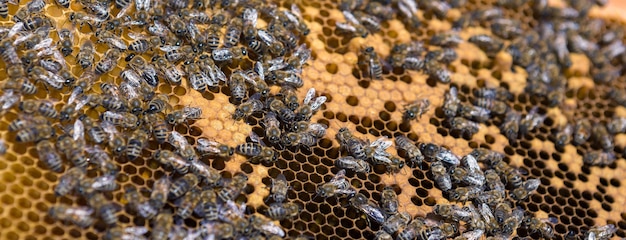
x=579 y=196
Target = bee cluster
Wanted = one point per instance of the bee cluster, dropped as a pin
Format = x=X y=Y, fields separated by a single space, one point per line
x=90 y=111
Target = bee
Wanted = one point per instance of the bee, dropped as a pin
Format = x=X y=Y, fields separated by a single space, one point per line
x=493 y=180
x=493 y=105
x=541 y=226
x=353 y=164
x=601 y=232
x=256 y=150
x=462 y=194
x=498 y=93
x=249 y=107
x=182 y=146
x=279 y=188
x=352 y=25
x=171 y=72
x=310 y=105
x=272 y=127
x=449 y=229
x=444 y=55
x=227 y=54
x=108 y=61
x=601 y=136
x=214 y=73
x=389 y=201
x=182 y=185
x=453 y=212
x=599 y=158
x=265 y=226
x=522 y=192
x=510 y=126
x=35 y=133
x=371 y=62
x=26 y=121
x=275 y=47
x=337 y=186
x=158 y=126
x=187 y=113
x=415 y=109
x=21 y=85
x=233 y=32
x=237 y=85
x=174 y=55
x=284 y=113
x=125 y=233
x=396 y=221
x=367 y=207
x=441 y=176
x=187 y=204
x=513 y=220
x=162 y=226
x=43 y=107
x=435 y=70
x=491 y=225
x=438 y=8
x=446 y=39
x=471 y=235
x=355 y=147
x=172 y=159
x=197 y=79
x=490 y=45
x=162 y=187
x=123 y=119
x=210 y=147
x=208 y=207
x=464 y=126
x=475 y=113
x=530 y=121
x=66 y=41
x=80 y=216
x=285 y=78
x=459 y=174
x=104 y=208
x=73 y=150
x=383 y=235
x=210 y=175
x=582 y=131
x=417 y=229
x=280 y=211
x=69 y=181
x=102 y=160
x=136 y=142
x=51 y=79
x=85 y=57
x=132 y=197
x=233 y=188
x=147 y=71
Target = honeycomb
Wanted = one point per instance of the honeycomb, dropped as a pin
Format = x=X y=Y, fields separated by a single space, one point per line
x=578 y=195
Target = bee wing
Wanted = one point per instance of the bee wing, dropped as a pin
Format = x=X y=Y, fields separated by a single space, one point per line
x=296 y=10
x=8 y=99
x=78 y=130
x=81 y=211
x=309 y=96
x=531 y=184
x=136 y=231
x=255 y=138
x=266 y=37
x=410 y=5
x=471 y=163
x=258 y=69
x=188 y=112
x=112 y=115
x=486 y=213
x=250 y=15
x=351 y=18
x=15 y=29
x=102 y=181
x=177 y=139
x=345 y=27
x=339 y=176
x=278 y=64
x=271 y=227
x=281 y=177
x=292 y=17
x=473 y=235
x=318 y=103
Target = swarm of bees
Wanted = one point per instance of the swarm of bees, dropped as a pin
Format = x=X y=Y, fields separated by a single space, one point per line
x=196 y=43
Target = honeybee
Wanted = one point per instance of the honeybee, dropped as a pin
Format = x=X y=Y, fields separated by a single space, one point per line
x=491 y=225
x=280 y=211
x=187 y=204
x=213 y=148
x=389 y=201
x=285 y=78
x=493 y=105
x=510 y=126
x=446 y=39
x=265 y=225
x=69 y=181
x=233 y=31
x=369 y=60
x=408 y=9
x=299 y=57
x=522 y=192
x=35 y=133
x=444 y=55
x=237 y=85
x=104 y=208
x=227 y=54
x=462 y=194
x=512 y=222
x=182 y=146
x=108 y=61
x=337 y=186
x=436 y=70
x=441 y=176
x=176 y=54
x=498 y=93
x=181 y=116
x=601 y=232
x=161 y=190
x=490 y=45
x=162 y=226
x=464 y=126
x=171 y=72
x=475 y=113
x=416 y=109
x=208 y=207
x=249 y=16
x=493 y=181
x=158 y=104
x=417 y=229
x=459 y=174
x=471 y=235
x=541 y=226
x=256 y=150
x=171 y=159
x=582 y=131
x=599 y=158
x=352 y=25
x=272 y=127
x=367 y=207
x=601 y=136
x=530 y=121
x=102 y=160
x=383 y=235
x=247 y=108
x=506 y=28
x=353 y=164
x=453 y=212
x=80 y=216
x=210 y=175
x=310 y=105
x=66 y=41
x=279 y=188
x=21 y=84
x=182 y=185
x=125 y=233
x=233 y=188
x=43 y=107
x=284 y=113
x=396 y=221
